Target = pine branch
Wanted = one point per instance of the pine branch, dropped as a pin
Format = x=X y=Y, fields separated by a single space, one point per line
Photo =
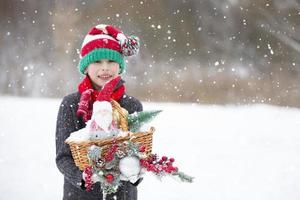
x=183 y=177
x=138 y=119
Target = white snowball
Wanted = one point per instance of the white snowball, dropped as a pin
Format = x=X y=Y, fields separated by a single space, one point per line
x=130 y=168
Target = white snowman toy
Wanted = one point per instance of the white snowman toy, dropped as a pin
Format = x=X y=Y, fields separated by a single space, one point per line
x=102 y=125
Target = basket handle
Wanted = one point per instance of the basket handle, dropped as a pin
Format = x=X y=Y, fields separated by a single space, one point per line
x=123 y=117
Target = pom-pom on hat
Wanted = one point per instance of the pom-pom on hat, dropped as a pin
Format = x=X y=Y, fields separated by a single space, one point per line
x=107 y=42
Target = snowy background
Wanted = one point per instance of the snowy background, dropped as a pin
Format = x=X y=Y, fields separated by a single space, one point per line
x=206 y=51
x=234 y=152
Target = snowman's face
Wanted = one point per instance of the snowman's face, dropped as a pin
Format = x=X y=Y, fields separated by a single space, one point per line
x=103 y=119
x=103 y=112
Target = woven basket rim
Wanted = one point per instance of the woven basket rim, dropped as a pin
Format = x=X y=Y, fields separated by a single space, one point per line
x=110 y=140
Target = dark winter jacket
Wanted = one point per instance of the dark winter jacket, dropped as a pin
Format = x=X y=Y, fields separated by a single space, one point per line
x=68 y=122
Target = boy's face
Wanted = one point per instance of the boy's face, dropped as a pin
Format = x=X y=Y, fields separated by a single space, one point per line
x=102 y=71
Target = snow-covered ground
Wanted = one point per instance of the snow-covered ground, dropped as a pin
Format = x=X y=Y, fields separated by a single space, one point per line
x=234 y=152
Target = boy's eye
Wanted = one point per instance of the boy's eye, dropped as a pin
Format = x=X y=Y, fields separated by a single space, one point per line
x=100 y=61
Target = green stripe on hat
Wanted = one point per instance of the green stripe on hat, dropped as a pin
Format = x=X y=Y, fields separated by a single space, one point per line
x=98 y=54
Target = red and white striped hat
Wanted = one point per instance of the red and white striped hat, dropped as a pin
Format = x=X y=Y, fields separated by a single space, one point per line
x=107 y=42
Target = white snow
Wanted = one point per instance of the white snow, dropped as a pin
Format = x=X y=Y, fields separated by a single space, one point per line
x=234 y=152
x=79 y=136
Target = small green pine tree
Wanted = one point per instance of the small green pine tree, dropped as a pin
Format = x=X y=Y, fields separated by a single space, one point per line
x=138 y=119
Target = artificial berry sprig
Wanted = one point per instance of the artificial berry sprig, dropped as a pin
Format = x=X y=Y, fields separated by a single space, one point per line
x=164 y=166
x=88 y=178
x=111 y=152
x=158 y=166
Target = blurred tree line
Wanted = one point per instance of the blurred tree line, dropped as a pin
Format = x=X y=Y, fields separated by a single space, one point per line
x=202 y=51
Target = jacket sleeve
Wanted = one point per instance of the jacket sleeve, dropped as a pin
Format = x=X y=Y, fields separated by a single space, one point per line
x=139 y=106
x=131 y=104
x=64 y=126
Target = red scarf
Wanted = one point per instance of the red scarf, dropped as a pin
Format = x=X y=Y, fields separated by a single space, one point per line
x=114 y=89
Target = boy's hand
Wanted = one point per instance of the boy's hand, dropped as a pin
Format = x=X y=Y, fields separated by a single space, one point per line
x=84 y=104
x=137 y=182
x=108 y=89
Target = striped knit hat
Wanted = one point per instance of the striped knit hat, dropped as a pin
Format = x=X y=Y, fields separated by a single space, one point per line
x=107 y=42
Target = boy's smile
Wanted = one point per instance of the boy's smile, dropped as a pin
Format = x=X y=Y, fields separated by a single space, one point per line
x=105 y=77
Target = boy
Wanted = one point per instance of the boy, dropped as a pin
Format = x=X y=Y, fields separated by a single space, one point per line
x=102 y=62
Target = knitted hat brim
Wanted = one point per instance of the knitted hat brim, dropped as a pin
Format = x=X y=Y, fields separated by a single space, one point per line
x=102 y=53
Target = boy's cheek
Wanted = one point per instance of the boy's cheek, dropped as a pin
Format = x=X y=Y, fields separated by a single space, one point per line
x=116 y=69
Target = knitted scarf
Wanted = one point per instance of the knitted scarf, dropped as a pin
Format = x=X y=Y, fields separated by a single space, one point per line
x=114 y=89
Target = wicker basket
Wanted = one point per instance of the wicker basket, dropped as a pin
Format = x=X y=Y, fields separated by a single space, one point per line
x=79 y=150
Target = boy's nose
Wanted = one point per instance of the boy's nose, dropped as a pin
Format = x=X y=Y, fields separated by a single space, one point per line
x=104 y=66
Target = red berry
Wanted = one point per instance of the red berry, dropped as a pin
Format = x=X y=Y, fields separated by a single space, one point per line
x=150 y=159
x=142 y=148
x=172 y=159
x=164 y=158
x=109 y=157
x=109 y=178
